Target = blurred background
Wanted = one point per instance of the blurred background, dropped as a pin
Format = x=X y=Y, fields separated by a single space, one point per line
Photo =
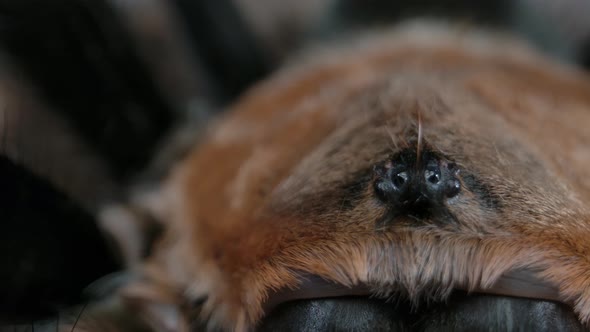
x=101 y=97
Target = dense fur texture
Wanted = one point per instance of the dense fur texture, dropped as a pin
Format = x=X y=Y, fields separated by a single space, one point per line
x=283 y=188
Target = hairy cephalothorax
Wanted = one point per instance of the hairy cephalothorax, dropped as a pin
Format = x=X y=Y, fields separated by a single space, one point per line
x=408 y=165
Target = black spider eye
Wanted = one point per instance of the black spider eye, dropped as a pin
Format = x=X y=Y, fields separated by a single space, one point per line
x=406 y=182
x=452 y=167
x=432 y=174
x=400 y=179
x=383 y=189
x=392 y=181
x=452 y=188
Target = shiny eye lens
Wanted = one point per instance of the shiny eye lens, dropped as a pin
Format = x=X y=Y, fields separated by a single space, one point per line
x=452 y=188
x=432 y=176
x=400 y=179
